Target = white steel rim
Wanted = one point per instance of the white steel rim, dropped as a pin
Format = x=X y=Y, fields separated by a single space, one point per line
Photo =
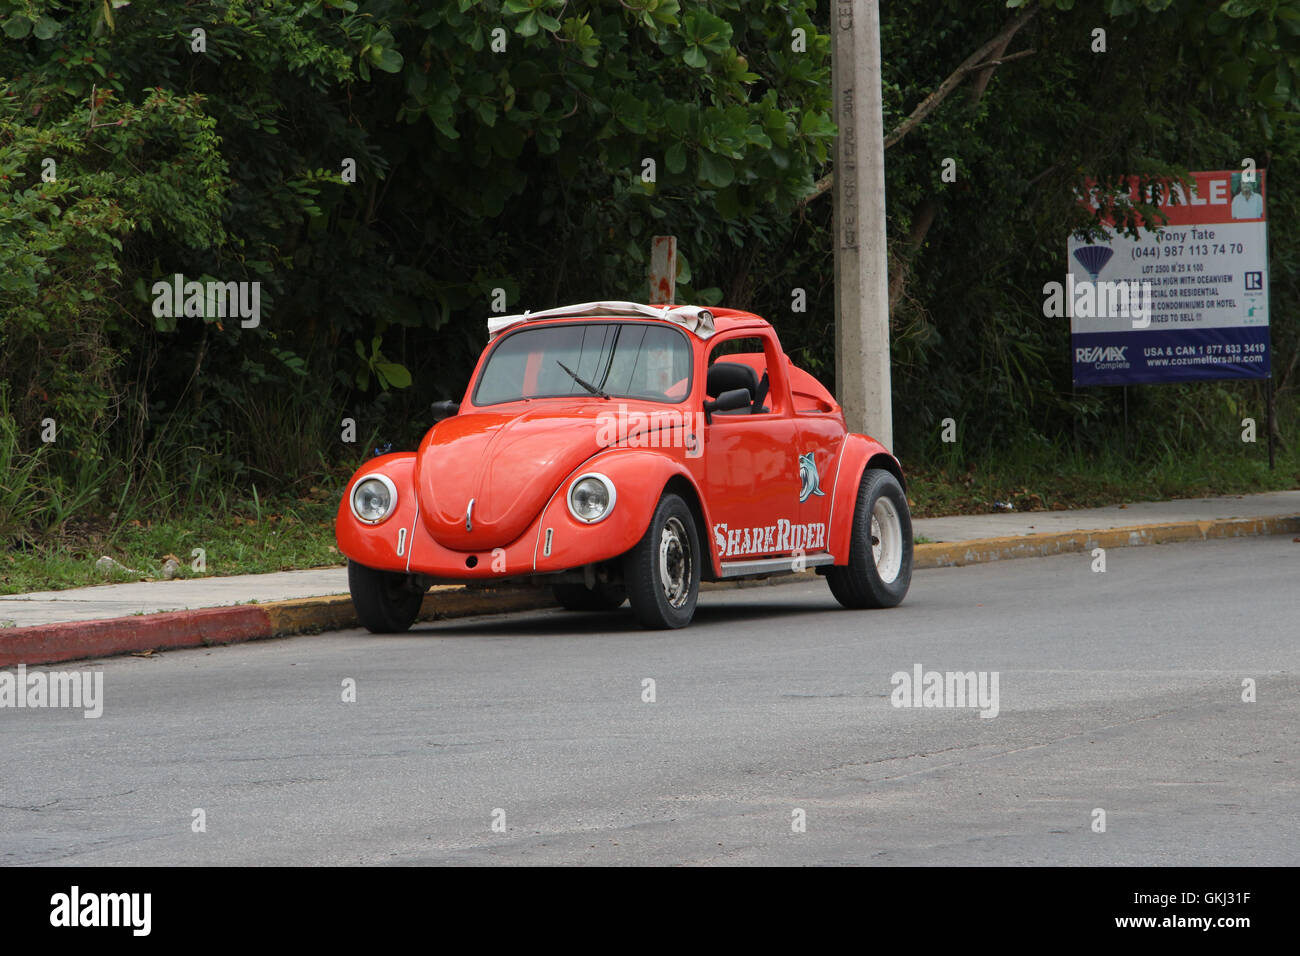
x=886 y=540
x=675 y=563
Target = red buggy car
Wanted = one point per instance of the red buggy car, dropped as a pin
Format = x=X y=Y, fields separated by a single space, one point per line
x=617 y=451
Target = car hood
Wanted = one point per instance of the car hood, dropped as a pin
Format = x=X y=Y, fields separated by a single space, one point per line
x=509 y=463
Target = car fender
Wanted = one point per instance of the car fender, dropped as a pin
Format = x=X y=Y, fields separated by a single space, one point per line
x=858 y=453
x=639 y=479
x=387 y=545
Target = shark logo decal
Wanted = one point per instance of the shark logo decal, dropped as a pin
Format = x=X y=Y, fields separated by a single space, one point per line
x=809 y=482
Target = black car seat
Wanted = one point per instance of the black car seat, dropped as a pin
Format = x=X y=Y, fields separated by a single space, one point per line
x=725 y=376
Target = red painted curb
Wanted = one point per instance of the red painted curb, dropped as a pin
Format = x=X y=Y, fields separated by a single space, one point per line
x=73 y=640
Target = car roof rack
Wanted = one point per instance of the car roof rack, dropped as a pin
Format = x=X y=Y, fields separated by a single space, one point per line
x=693 y=318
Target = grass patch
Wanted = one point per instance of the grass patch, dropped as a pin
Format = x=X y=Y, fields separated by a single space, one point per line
x=1059 y=479
x=253 y=537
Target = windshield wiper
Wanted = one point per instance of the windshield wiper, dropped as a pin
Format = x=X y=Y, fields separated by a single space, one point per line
x=583 y=382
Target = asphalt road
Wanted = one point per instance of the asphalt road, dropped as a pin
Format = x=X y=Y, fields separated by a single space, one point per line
x=1118 y=691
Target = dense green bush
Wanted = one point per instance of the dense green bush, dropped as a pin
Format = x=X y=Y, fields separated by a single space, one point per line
x=382 y=169
x=387 y=170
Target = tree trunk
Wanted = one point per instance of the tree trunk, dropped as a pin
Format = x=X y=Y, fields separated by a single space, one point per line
x=925 y=214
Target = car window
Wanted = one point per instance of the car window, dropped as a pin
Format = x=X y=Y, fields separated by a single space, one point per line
x=623 y=359
x=749 y=351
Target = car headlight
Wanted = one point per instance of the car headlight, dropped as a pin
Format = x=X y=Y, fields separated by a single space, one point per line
x=591 y=498
x=374 y=498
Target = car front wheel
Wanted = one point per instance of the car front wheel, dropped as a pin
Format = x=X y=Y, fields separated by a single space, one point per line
x=384 y=600
x=880 y=550
x=662 y=572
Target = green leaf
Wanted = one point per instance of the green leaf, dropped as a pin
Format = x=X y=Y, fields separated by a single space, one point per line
x=665 y=11
x=817 y=125
x=397 y=375
x=443 y=119
x=1236 y=73
x=390 y=61
x=17 y=27
x=675 y=158
x=709 y=31
x=716 y=170
x=45 y=28
x=1218 y=24
x=527 y=27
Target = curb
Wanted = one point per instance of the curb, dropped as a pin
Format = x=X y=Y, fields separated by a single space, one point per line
x=73 y=640
x=959 y=553
x=206 y=627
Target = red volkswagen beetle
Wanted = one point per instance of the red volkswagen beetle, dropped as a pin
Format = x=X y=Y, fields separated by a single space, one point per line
x=623 y=452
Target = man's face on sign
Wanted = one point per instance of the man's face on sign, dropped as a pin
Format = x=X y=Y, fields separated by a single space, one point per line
x=1247 y=188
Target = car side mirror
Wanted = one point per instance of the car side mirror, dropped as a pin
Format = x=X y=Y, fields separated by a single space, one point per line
x=728 y=401
x=443 y=410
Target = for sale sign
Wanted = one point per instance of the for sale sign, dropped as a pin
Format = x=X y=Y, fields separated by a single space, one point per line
x=1187 y=301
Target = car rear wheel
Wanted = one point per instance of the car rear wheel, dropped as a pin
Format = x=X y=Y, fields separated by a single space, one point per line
x=578 y=597
x=385 y=601
x=879 y=571
x=662 y=572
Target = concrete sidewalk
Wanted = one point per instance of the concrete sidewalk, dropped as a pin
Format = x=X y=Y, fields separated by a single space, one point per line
x=973 y=527
x=120 y=618
x=152 y=597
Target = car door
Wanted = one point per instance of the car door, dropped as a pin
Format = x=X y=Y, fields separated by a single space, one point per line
x=819 y=440
x=751 y=472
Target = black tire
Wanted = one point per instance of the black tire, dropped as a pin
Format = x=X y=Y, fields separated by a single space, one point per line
x=859 y=584
x=384 y=600
x=662 y=601
x=578 y=597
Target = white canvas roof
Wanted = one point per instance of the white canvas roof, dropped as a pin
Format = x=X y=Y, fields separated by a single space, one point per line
x=693 y=318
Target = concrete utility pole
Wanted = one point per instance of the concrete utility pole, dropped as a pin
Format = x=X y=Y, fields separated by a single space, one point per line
x=663 y=270
x=861 y=260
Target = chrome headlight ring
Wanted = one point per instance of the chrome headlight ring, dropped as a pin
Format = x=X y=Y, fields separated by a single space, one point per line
x=389 y=488
x=588 y=488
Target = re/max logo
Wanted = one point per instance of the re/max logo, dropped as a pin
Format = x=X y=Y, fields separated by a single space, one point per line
x=1111 y=353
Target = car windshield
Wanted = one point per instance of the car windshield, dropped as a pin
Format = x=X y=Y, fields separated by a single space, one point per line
x=619 y=359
